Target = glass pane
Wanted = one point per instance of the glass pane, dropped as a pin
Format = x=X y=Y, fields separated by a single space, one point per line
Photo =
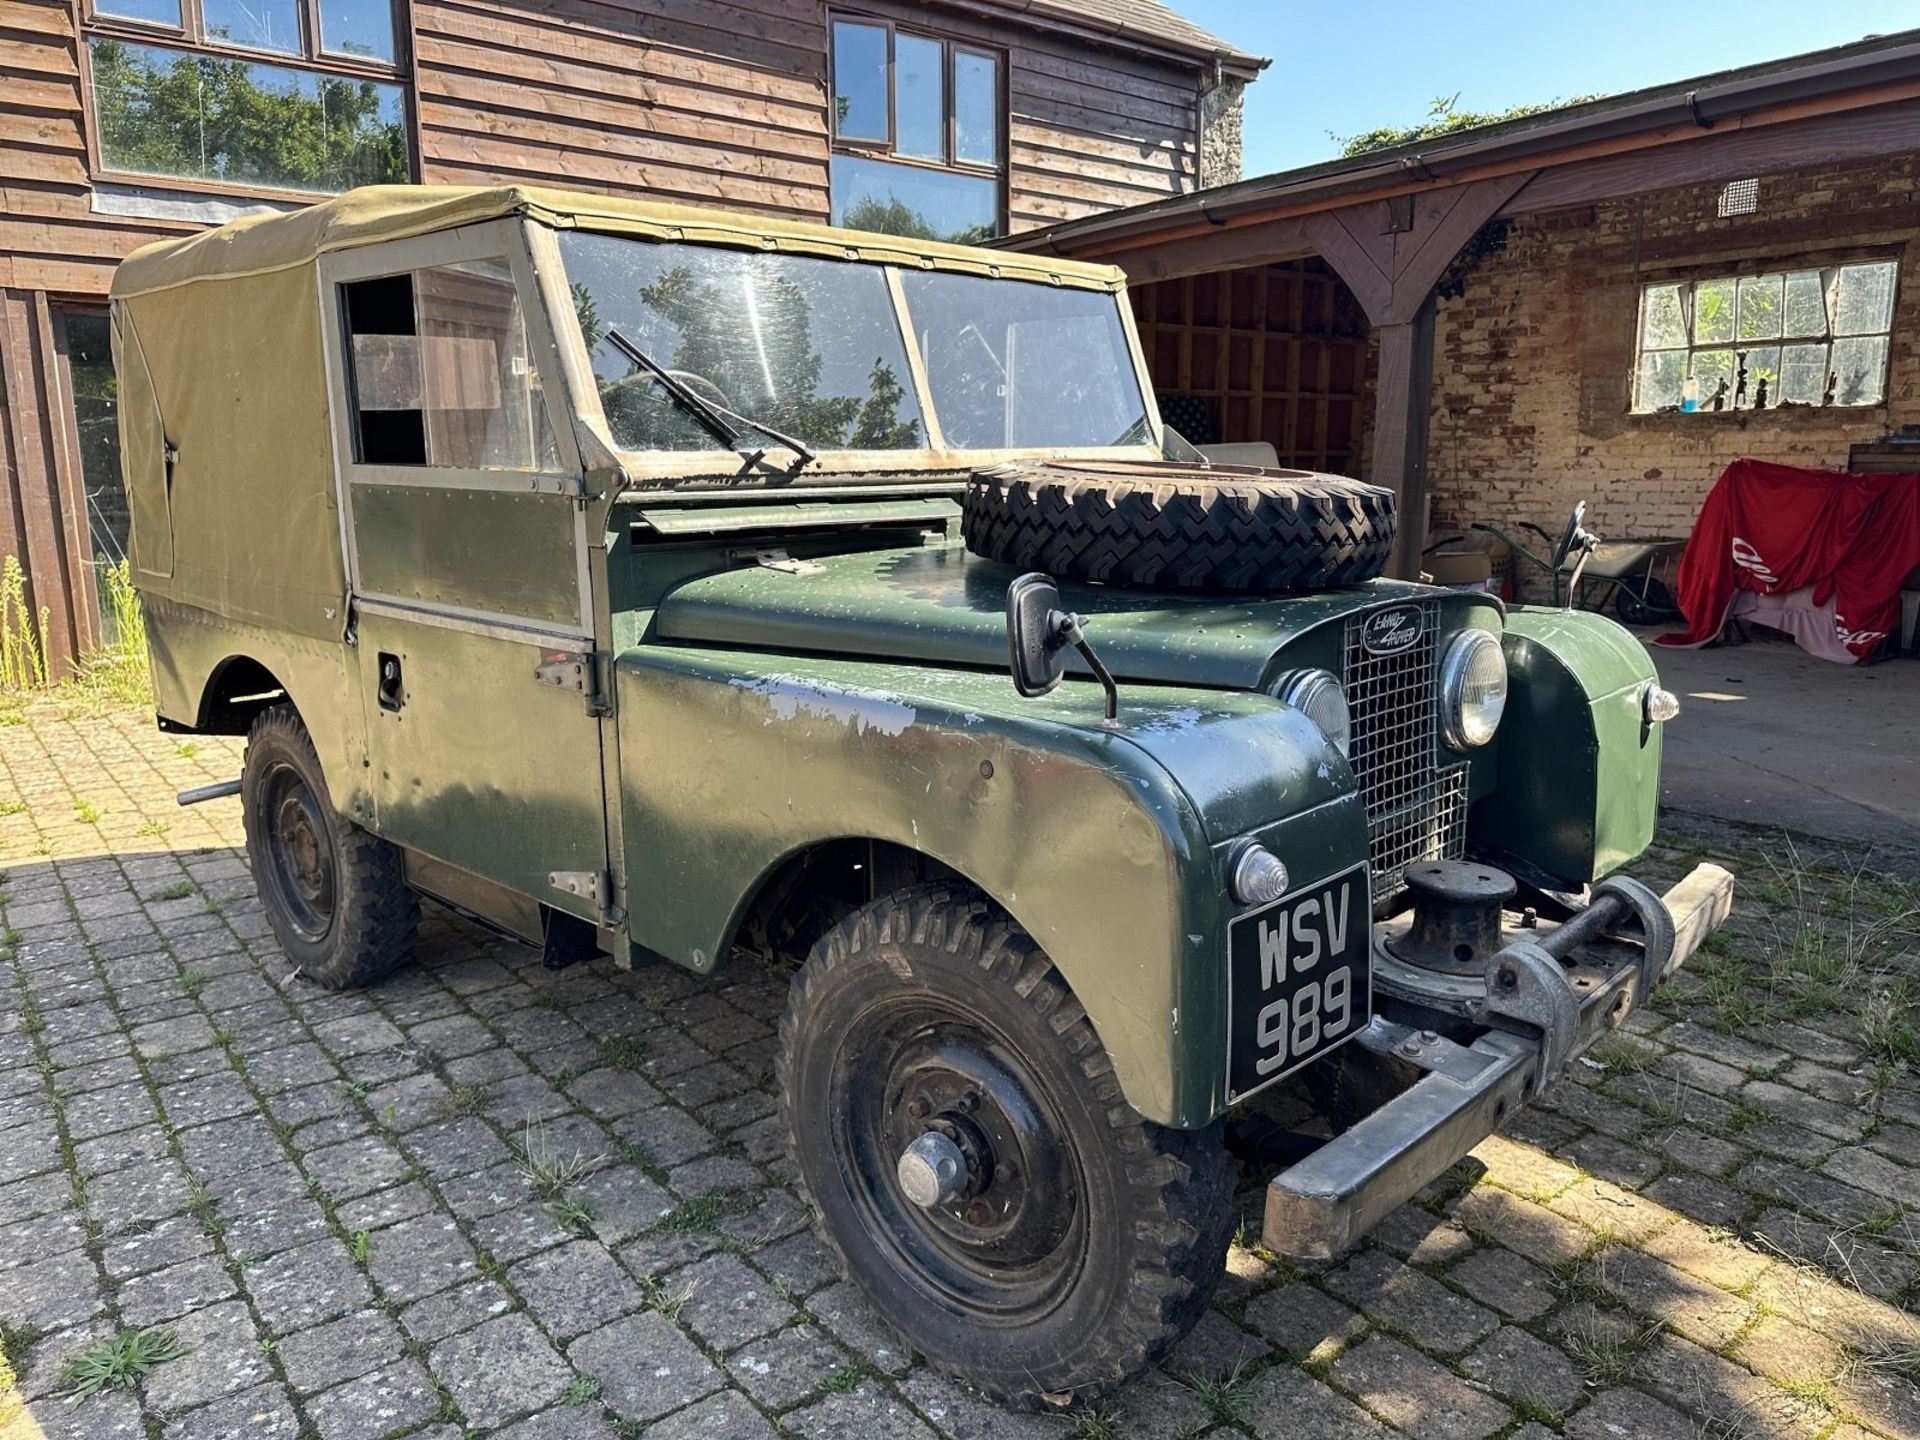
x=96 y=416
x=808 y=346
x=1762 y=377
x=919 y=97
x=1712 y=311
x=1806 y=304
x=1713 y=374
x=976 y=108
x=1012 y=364
x=165 y=112
x=1662 y=325
x=160 y=12
x=1803 y=372
x=480 y=389
x=1760 y=307
x=256 y=24
x=357 y=27
x=906 y=200
x=1863 y=299
x=859 y=81
x=1661 y=375
x=1861 y=370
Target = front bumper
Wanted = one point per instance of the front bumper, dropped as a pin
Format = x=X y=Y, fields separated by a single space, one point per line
x=1543 y=1004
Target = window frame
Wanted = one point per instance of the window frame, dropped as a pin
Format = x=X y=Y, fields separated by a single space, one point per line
x=189 y=37
x=1751 y=267
x=951 y=48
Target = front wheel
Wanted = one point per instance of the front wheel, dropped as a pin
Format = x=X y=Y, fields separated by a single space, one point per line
x=336 y=896
x=963 y=1137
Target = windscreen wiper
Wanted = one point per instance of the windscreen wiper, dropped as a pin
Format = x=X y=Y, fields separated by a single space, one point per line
x=710 y=417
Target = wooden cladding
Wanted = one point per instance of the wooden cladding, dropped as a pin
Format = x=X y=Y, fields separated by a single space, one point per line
x=1274 y=353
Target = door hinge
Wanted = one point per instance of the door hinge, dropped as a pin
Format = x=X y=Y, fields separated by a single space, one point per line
x=785 y=563
x=593 y=885
x=572 y=670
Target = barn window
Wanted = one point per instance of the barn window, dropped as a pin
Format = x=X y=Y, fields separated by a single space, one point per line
x=918 y=136
x=300 y=96
x=1782 y=338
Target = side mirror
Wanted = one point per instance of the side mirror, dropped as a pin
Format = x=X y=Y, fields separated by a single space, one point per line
x=1575 y=537
x=1036 y=648
x=1038 y=634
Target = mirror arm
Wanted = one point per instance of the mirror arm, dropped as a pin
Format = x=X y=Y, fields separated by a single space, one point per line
x=1068 y=626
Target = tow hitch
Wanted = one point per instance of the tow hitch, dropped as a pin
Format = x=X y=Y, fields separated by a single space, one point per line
x=1489 y=1031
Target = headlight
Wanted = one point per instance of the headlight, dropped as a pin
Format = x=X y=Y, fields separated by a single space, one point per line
x=1473 y=689
x=1318 y=696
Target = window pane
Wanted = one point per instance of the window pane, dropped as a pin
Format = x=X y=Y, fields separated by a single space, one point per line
x=1661 y=374
x=1713 y=370
x=96 y=417
x=1712 y=311
x=919 y=98
x=256 y=24
x=480 y=388
x=160 y=12
x=1863 y=300
x=905 y=200
x=357 y=27
x=1763 y=368
x=1806 y=304
x=1662 y=326
x=859 y=81
x=1017 y=365
x=165 y=112
x=976 y=108
x=1760 y=307
x=1803 y=373
x=810 y=346
x=1861 y=368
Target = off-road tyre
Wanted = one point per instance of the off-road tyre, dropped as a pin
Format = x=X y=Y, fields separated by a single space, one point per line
x=371 y=917
x=1152 y=1207
x=1178 y=527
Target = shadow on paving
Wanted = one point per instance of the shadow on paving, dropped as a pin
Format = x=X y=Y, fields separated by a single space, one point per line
x=483 y=1198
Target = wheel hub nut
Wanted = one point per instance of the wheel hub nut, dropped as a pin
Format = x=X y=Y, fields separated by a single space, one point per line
x=932 y=1170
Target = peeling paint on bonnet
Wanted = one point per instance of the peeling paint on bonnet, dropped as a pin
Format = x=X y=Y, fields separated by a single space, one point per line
x=790 y=696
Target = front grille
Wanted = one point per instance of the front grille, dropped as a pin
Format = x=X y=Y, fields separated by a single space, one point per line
x=1415 y=810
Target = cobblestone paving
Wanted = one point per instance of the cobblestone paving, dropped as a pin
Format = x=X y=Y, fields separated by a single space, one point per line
x=487 y=1200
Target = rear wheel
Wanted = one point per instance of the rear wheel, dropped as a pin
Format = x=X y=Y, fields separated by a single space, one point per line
x=1655 y=607
x=336 y=896
x=960 y=1130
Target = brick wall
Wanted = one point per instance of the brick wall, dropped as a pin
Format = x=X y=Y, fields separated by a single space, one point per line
x=1533 y=362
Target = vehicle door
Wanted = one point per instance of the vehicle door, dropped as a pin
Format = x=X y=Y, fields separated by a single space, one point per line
x=466 y=541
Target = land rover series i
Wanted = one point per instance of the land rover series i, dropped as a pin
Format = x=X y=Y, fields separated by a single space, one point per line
x=662 y=583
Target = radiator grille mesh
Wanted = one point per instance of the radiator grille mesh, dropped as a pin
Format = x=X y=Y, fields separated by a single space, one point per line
x=1415 y=810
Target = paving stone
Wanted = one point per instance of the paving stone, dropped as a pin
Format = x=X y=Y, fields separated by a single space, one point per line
x=729 y=1304
x=1508 y=1283
x=1862 y=1260
x=377 y=1405
x=1876 y=1174
x=1422 y=1237
x=672 y=1374
x=385 y=1207
x=222 y=1358
x=1411 y=1302
x=419 y=1256
x=262 y=1413
x=502 y=1369
x=1415 y=1394
x=1532 y=1230
x=1684 y=1303
x=169 y=1242
x=579 y=1287
x=1618 y=1414
x=1522 y=1168
x=869 y=1412
x=961 y=1414
x=625 y=1202
x=1697 y=1070
x=572 y=1422
x=451 y=1148
x=1155 y=1405
x=1789 y=1353
x=1732 y=1050
x=1711 y=1202
x=850 y=1319
x=138 y=1195
x=1610 y=1210
x=1810 y=1112
x=1806 y=1190
x=1303 y=1322
x=714 y=1175
x=357 y=1167
x=1714 y=1255
x=1889 y=1403
x=1628 y=1166
x=105 y=1111
x=451 y=1311
x=1721 y=1393
x=173 y=1292
x=779 y=1369
x=670 y=1136
x=517 y=1233
x=1528 y=1372
x=51 y=1294
x=306 y=1285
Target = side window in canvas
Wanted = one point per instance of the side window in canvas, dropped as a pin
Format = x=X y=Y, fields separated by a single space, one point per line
x=440 y=372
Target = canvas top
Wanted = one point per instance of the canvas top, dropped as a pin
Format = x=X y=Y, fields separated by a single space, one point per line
x=264 y=243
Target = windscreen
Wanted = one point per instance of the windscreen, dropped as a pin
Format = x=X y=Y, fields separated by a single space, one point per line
x=1017 y=366
x=811 y=347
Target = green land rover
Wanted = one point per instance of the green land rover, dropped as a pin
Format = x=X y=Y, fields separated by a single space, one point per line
x=666 y=584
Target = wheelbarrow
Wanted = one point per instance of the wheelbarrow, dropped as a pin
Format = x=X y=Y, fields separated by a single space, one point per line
x=1586 y=568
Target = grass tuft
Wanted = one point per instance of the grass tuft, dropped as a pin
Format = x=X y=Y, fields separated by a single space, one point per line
x=120 y=1363
x=623 y=1052
x=551 y=1170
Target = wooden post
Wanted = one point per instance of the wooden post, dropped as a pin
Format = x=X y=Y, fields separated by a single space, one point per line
x=1403 y=401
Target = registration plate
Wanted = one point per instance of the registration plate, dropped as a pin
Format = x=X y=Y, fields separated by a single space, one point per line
x=1299 y=979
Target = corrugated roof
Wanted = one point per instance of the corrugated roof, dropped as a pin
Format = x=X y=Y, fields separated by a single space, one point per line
x=1145 y=22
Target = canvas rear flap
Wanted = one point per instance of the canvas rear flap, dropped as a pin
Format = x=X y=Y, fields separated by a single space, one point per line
x=246 y=523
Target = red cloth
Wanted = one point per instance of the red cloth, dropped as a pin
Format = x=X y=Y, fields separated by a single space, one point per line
x=1774 y=528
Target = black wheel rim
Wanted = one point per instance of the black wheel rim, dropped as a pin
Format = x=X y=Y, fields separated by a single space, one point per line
x=1013 y=1243
x=299 y=853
